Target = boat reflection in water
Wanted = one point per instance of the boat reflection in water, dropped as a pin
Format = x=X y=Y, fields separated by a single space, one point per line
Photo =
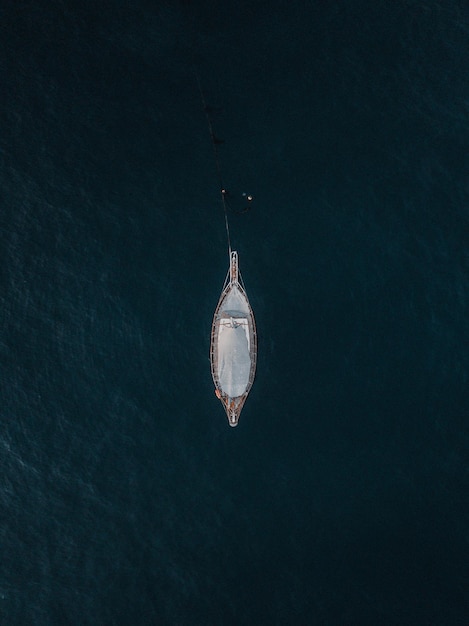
x=233 y=346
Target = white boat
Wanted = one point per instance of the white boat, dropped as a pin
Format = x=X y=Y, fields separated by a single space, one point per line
x=233 y=346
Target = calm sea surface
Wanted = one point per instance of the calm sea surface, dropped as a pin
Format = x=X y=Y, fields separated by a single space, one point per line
x=342 y=496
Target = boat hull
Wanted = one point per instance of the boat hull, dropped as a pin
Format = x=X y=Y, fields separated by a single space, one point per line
x=233 y=346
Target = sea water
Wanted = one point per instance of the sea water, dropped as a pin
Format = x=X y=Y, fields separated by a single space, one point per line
x=341 y=497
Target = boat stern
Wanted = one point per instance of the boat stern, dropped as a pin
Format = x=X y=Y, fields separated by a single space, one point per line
x=233 y=418
x=232 y=406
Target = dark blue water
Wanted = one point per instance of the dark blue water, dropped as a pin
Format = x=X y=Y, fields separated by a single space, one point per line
x=342 y=497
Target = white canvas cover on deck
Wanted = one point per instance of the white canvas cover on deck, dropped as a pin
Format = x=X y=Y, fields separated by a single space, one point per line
x=235 y=301
x=234 y=362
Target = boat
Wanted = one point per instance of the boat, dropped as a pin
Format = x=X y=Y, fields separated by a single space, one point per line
x=233 y=345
